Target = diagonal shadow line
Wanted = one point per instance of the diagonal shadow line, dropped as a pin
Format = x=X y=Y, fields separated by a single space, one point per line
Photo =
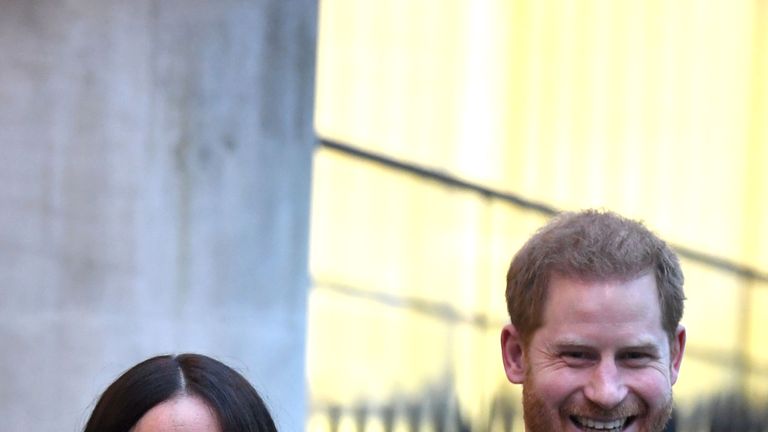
x=723 y=264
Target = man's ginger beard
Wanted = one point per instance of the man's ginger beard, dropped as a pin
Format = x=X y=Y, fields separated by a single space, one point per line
x=538 y=417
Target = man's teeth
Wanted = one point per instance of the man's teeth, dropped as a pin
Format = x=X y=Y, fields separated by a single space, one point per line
x=595 y=424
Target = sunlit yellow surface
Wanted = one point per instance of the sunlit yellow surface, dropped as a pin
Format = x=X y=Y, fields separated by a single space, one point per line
x=655 y=109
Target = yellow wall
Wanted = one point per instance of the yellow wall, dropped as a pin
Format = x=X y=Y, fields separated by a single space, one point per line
x=655 y=109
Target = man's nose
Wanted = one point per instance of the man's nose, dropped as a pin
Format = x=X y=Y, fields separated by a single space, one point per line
x=606 y=386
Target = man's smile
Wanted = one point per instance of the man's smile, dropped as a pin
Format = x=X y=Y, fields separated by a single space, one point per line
x=590 y=424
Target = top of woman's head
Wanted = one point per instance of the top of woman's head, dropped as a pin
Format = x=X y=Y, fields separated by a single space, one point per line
x=235 y=403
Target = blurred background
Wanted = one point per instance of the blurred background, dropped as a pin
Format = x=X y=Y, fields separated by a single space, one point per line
x=326 y=195
x=450 y=131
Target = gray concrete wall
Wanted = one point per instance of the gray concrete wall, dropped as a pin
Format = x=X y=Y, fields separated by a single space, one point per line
x=154 y=196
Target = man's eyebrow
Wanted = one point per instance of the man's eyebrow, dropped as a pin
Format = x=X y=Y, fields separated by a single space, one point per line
x=566 y=344
x=647 y=347
x=574 y=344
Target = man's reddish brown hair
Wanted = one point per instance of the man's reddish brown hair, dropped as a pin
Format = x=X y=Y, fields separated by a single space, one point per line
x=591 y=246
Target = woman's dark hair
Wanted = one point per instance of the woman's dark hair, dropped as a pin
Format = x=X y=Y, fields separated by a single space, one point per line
x=237 y=406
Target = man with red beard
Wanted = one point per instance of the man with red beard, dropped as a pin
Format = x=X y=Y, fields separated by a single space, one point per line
x=595 y=302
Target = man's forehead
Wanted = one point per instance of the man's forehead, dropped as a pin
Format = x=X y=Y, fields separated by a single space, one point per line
x=580 y=309
x=585 y=291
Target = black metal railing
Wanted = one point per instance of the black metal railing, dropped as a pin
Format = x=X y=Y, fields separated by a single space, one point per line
x=728 y=412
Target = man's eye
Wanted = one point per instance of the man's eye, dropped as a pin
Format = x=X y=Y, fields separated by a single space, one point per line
x=576 y=357
x=635 y=355
x=636 y=358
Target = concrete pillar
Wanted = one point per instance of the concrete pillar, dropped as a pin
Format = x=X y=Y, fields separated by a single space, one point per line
x=154 y=196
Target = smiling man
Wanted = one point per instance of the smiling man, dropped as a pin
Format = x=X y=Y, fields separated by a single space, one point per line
x=595 y=302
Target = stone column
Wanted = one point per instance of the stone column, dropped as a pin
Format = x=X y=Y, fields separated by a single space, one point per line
x=154 y=196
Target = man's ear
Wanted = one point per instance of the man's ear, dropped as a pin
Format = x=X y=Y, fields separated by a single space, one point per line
x=676 y=353
x=512 y=354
